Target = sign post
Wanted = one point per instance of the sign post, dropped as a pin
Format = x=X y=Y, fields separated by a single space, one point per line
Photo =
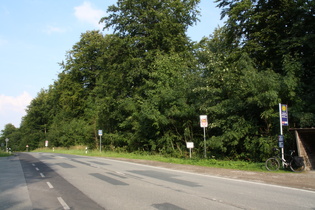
x=204 y=124
x=283 y=115
x=6 y=144
x=100 y=133
x=190 y=145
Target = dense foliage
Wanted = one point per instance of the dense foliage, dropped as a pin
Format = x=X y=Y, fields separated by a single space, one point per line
x=146 y=84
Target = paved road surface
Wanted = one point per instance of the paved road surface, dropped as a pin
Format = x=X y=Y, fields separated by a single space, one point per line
x=57 y=181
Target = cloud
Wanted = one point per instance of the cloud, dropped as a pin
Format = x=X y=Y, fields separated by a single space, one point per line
x=12 y=109
x=53 y=29
x=87 y=14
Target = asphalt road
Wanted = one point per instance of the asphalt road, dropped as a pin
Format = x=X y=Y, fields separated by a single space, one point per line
x=58 y=181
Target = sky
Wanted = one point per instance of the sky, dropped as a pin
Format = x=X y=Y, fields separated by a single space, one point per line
x=36 y=34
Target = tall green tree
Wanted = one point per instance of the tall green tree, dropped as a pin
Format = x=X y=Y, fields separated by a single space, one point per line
x=74 y=87
x=277 y=34
x=239 y=99
x=11 y=133
x=144 y=31
x=153 y=25
x=35 y=123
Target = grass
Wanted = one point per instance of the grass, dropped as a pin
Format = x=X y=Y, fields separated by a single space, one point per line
x=228 y=164
x=4 y=154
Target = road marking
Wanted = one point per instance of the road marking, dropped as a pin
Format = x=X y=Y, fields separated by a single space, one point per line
x=33 y=164
x=120 y=173
x=37 y=169
x=63 y=203
x=212 y=176
x=50 y=185
x=42 y=175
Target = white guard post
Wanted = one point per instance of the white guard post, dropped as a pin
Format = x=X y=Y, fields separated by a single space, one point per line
x=100 y=133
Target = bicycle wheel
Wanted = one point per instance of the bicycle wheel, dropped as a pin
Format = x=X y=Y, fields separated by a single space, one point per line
x=297 y=168
x=272 y=164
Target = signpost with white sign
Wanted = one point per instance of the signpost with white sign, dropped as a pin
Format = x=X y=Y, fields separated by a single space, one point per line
x=100 y=133
x=204 y=124
x=190 y=145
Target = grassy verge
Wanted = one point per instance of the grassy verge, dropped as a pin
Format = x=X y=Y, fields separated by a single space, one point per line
x=4 y=154
x=239 y=165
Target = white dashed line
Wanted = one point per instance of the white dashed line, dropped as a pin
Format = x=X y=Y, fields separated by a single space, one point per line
x=120 y=173
x=50 y=185
x=33 y=164
x=63 y=203
x=37 y=169
x=42 y=175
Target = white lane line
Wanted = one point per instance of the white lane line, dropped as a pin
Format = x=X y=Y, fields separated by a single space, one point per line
x=37 y=169
x=42 y=175
x=50 y=185
x=120 y=173
x=63 y=203
x=33 y=164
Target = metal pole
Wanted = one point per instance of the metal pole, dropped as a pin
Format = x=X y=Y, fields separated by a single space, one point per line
x=281 y=133
x=204 y=140
x=100 y=143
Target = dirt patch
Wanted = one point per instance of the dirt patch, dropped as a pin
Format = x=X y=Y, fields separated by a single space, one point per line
x=304 y=180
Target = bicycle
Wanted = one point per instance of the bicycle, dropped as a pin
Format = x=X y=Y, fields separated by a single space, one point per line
x=295 y=163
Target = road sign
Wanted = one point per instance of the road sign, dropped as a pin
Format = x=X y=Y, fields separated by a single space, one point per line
x=6 y=140
x=190 y=144
x=203 y=121
x=281 y=141
x=100 y=132
x=284 y=115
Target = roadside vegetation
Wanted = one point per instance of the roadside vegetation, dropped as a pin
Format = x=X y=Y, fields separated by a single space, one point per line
x=210 y=162
x=4 y=154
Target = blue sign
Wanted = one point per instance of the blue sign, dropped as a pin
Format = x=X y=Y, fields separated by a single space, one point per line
x=284 y=115
x=100 y=132
x=281 y=141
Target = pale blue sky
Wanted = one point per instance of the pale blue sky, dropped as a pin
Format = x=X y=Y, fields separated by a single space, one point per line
x=35 y=36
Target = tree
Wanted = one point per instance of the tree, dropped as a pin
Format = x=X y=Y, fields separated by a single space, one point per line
x=277 y=34
x=10 y=133
x=35 y=123
x=239 y=99
x=143 y=32
x=153 y=25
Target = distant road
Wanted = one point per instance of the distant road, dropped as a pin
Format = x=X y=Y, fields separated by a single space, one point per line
x=58 y=181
